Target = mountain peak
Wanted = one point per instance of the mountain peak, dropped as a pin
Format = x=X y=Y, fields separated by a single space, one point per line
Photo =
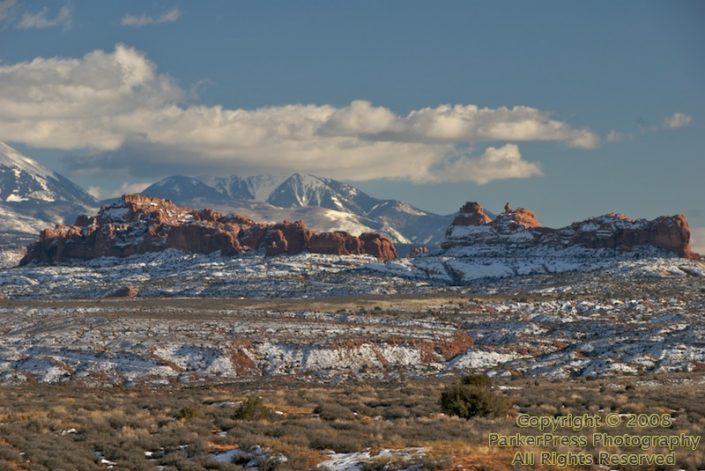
x=180 y=188
x=11 y=157
x=33 y=197
x=328 y=204
x=24 y=180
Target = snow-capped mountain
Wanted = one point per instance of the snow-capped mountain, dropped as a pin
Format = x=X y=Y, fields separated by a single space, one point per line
x=400 y=220
x=324 y=204
x=179 y=188
x=256 y=187
x=307 y=190
x=33 y=197
x=23 y=180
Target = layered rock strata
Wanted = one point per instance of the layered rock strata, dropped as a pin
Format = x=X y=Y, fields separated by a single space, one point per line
x=519 y=228
x=140 y=224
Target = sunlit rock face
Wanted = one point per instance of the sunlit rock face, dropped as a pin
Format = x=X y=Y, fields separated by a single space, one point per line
x=519 y=228
x=139 y=224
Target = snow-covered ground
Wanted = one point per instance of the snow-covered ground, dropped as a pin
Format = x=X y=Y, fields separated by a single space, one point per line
x=195 y=318
x=10 y=257
x=173 y=273
x=358 y=461
x=585 y=326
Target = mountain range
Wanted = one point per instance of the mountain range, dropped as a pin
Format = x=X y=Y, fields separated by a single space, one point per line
x=324 y=204
x=33 y=197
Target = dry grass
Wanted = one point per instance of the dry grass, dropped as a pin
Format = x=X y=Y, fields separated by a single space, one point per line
x=124 y=424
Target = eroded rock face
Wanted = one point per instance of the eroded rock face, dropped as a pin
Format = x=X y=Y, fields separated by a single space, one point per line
x=518 y=228
x=616 y=231
x=379 y=246
x=471 y=214
x=336 y=243
x=140 y=224
x=515 y=219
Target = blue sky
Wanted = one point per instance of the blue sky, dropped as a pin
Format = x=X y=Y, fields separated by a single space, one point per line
x=590 y=107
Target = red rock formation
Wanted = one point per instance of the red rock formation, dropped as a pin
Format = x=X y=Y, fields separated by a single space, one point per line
x=142 y=224
x=378 y=245
x=672 y=234
x=471 y=214
x=418 y=250
x=275 y=243
x=336 y=243
x=296 y=234
x=513 y=219
x=517 y=229
x=616 y=231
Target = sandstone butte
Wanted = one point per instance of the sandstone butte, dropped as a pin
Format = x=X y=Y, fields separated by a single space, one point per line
x=611 y=231
x=140 y=224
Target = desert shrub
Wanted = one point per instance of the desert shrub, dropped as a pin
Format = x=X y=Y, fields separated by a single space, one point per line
x=333 y=411
x=186 y=413
x=396 y=412
x=253 y=409
x=482 y=381
x=340 y=442
x=9 y=454
x=473 y=397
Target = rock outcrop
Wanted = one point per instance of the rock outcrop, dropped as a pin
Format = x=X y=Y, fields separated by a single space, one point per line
x=517 y=229
x=140 y=224
x=417 y=250
x=471 y=214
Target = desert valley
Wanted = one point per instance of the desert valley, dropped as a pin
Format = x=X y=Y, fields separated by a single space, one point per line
x=145 y=296
x=352 y=235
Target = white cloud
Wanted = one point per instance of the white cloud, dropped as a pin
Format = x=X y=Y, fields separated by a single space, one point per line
x=494 y=164
x=42 y=19
x=677 y=120
x=131 y=117
x=168 y=16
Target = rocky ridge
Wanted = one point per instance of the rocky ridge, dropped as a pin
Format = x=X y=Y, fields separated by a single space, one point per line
x=516 y=230
x=140 y=224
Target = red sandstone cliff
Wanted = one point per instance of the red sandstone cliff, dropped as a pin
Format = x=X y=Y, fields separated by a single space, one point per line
x=142 y=224
x=520 y=228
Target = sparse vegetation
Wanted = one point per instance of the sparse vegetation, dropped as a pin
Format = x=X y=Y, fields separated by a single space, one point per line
x=182 y=428
x=473 y=397
x=253 y=409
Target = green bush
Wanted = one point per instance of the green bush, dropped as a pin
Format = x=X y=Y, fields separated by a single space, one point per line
x=482 y=381
x=473 y=397
x=253 y=409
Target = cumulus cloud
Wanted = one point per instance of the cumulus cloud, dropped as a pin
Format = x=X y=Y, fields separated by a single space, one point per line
x=168 y=16
x=495 y=163
x=677 y=120
x=130 y=116
x=43 y=19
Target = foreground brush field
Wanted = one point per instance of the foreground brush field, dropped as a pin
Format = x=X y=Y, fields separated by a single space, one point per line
x=394 y=424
